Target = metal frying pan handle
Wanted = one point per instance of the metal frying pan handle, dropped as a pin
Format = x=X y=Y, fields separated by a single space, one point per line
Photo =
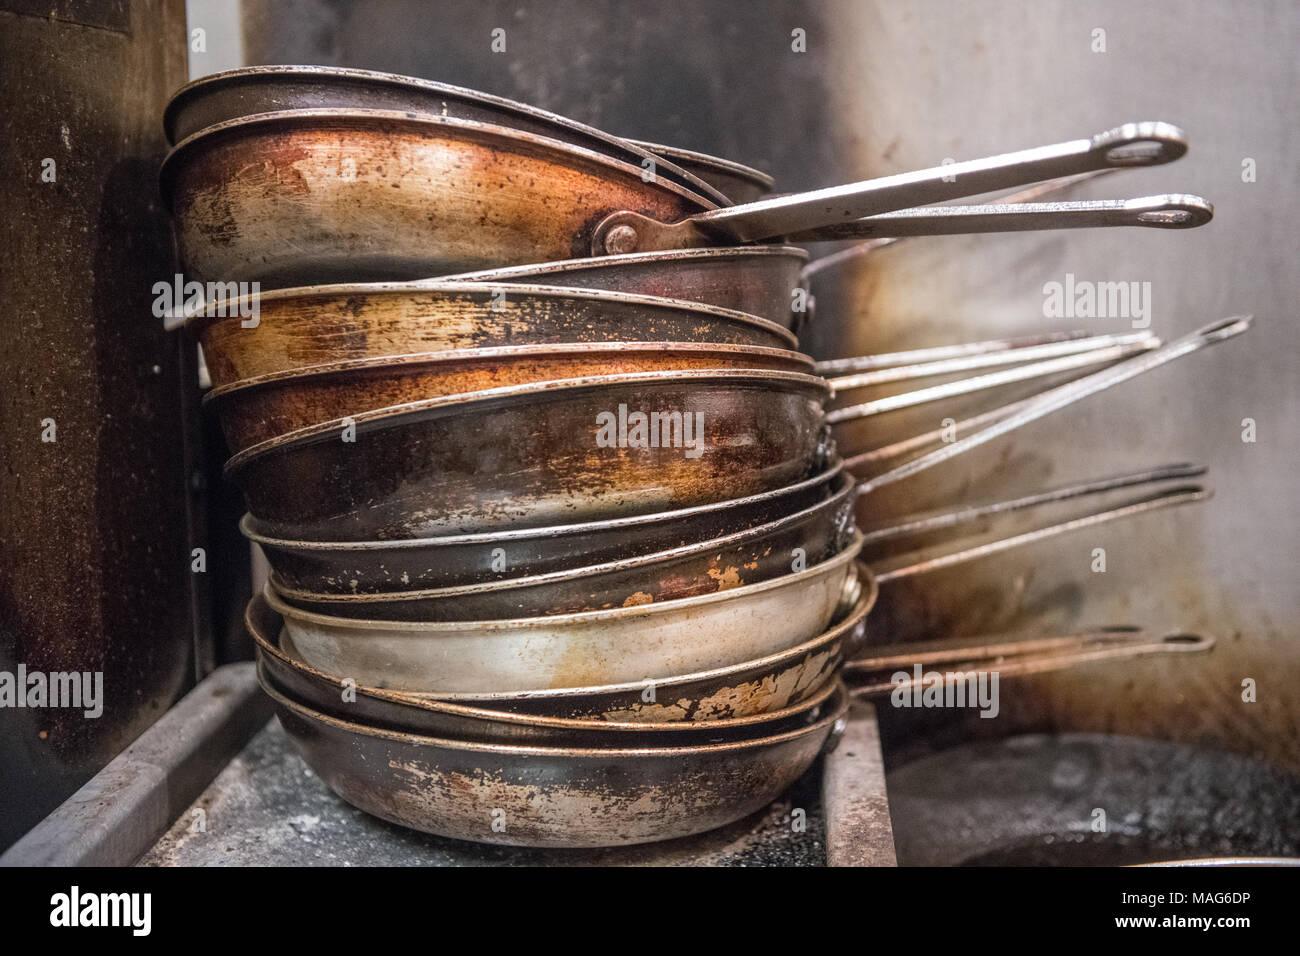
x=1133 y=144
x=965 y=386
x=1061 y=396
x=1070 y=341
x=1167 y=498
x=1079 y=352
x=1028 y=194
x=1069 y=653
x=926 y=524
x=1171 y=211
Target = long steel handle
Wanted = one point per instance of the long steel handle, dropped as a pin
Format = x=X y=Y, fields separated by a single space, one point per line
x=1028 y=194
x=967 y=386
x=1100 y=649
x=882 y=360
x=1172 y=211
x=989 y=358
x=1168 y=498
x=929 y=523
x=1057 y=398
x=1133 y=144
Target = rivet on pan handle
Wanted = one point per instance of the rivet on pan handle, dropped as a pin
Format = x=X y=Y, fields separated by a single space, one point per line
x=1133 y=144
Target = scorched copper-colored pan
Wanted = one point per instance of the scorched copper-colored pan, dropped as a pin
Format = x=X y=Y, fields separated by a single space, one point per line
x=236 y=94
x=258 y=409
x=320 y=325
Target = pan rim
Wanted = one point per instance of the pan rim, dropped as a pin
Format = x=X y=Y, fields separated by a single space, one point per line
x=666 y=255
x=740 y=170
x=442 y=356
x=475 y=401
x=362 y=117
x=583 y=527
x=600 y=753
x=489 y=625
x=530 y=289
x=860 y=611
x=835 y=500
x=179 y=99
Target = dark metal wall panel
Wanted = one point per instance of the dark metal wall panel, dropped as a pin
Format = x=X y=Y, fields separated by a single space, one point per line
x=94 y=572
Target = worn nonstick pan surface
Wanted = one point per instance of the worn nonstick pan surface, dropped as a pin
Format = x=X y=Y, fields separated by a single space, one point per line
x=376 y=566
x=529 y=455
x=236 y=94
x=757 y=686
x=483 y=725
x=321 y=325
x=550 y=796
x=258 y=409
x=756 y=554
x=573 y=650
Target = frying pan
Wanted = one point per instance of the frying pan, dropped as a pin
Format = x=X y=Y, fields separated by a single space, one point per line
x=236 y=94
x=736 y=181
x=308 y=196
x=758 y=686
x=322 y=325
x=482 y=725
x=374 y=566
x=716 y=564
x=613 y=646
x=529 y=455
x=257 y=409
x=551 y=796
x=762 y=280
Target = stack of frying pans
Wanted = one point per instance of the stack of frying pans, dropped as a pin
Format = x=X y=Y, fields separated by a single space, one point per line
x=562 y=551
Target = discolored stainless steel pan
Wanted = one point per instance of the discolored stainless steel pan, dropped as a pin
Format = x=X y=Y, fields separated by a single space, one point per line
x=757 y=686
x=755 y=554
x=322 y=325
x=544 y=453
x=551 y=796
x=259 y=409
x=483 y=725
x=375 y=566
x=613 y=646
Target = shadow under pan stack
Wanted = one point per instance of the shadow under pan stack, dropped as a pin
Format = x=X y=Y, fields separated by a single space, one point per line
x=562 y=551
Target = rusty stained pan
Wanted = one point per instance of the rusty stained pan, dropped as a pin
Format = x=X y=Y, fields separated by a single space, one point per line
x=308 y=196
x=573 y=650
x=258 y=409
x=322 y=325
x=551 y=796
x=752 y=687
x=482 y=725
x=315 y=195
x=756 y=554
x=237 y=94
x=531 y=455
x=738 y=182
x=378 y=566
x=758 y=280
